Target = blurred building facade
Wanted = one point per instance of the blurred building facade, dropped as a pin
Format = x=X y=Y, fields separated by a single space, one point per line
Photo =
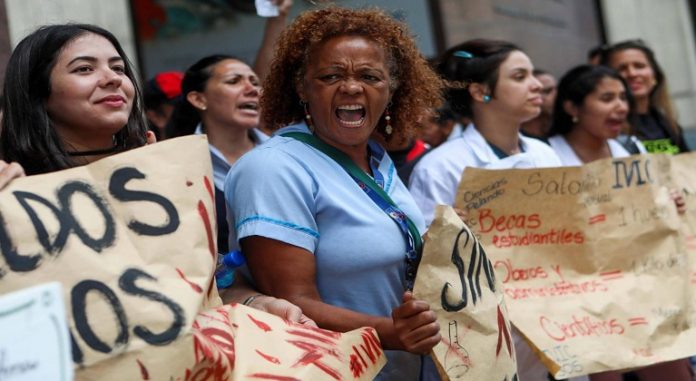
x=163 y=35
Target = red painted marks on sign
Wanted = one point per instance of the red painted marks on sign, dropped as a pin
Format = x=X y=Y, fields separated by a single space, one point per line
x=143 y=370
x=265 y=327
x=313 y=358
x=267 y=376
x=357 y=367
x=611 y=275
x=315 y=347
x=310 y=335
x=203 y=212
x=189 y=183
x=268 y=358
x=371 y=350
x=503 y=335
x=323 y=332
x=370 y=346
x=209 y=187
x=637 y=321
x=194 y=286
x=597 y=219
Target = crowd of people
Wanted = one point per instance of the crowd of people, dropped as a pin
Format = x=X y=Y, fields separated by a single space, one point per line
x=331 y=152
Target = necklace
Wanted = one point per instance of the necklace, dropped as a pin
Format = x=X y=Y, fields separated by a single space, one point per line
x=95 y=152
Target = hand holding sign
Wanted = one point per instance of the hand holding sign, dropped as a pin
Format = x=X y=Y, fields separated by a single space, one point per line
x=8 y=172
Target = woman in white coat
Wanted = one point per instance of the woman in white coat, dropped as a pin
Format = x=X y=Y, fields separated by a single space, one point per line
x=492 y=83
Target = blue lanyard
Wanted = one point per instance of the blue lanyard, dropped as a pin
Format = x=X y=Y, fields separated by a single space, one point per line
x=412 y=238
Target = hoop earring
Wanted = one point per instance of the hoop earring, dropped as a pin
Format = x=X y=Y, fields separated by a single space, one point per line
x=486 y=98
x=387 y=119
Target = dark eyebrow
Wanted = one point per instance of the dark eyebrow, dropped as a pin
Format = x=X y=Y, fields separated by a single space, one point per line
x=93 y=59
x=520 y=70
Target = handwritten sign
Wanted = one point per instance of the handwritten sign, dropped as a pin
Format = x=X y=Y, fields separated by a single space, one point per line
x=457 y=279
x=131 y=238
x=303 y=352
x=592 y=259
x=34 y=341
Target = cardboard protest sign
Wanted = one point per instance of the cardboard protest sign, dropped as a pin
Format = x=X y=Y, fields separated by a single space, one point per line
x=457 y=279
x=592 y=260
x=131 y=238
x=235 y=342
x=34 y=342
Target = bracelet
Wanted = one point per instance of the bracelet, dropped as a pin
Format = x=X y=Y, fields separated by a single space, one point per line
x=250 y=299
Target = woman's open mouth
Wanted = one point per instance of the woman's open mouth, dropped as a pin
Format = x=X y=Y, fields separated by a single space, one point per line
x=350 y=115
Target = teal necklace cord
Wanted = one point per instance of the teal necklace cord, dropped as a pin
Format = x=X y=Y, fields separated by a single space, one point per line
x=413 y=239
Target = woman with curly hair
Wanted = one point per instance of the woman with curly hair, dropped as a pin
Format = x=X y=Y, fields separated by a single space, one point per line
x=318 y=210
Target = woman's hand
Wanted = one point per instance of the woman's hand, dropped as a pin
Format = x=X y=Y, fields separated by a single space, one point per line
x=9 y=172
x=241 y=290
x=150 y=138
x=416 y=325
x=283 y=7
x=679 y=201
x=282 y=308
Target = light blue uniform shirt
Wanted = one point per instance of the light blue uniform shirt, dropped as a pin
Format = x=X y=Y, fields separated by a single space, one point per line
x=289 y=191
x=220 y=164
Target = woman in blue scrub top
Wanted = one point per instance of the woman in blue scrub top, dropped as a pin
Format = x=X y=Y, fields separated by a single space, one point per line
x=319 y=210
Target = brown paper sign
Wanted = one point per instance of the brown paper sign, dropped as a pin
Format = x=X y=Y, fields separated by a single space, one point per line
x=592 y=259
x=457 y=279
x=132 y=240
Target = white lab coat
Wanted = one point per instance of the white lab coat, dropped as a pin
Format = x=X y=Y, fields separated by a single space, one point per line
x=436 y=177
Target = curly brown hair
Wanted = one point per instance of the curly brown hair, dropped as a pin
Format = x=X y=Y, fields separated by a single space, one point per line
x=416 y=87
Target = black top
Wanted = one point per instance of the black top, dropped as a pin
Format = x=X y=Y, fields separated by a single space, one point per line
x=657 y=136
x=223 y=230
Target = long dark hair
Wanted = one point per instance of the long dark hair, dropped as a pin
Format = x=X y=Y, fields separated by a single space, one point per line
x=659 y=96
x=27 y=135
x=575 y=86
x=473 y=61
x=185 y=117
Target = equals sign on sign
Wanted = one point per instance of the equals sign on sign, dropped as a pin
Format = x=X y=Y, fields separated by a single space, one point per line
x=611 y=275
x=637 y=321
x=598 y=218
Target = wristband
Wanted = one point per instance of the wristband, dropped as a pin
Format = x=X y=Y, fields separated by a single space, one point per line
x=250 y=299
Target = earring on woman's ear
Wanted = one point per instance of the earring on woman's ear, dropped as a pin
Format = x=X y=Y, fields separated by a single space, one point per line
x=387 y=119
x=486 y=98
x=307 y=115
x=575 y=119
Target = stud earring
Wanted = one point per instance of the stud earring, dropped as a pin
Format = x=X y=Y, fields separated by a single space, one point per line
x=387 y=118
x=486 y=98
x=575 y=119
